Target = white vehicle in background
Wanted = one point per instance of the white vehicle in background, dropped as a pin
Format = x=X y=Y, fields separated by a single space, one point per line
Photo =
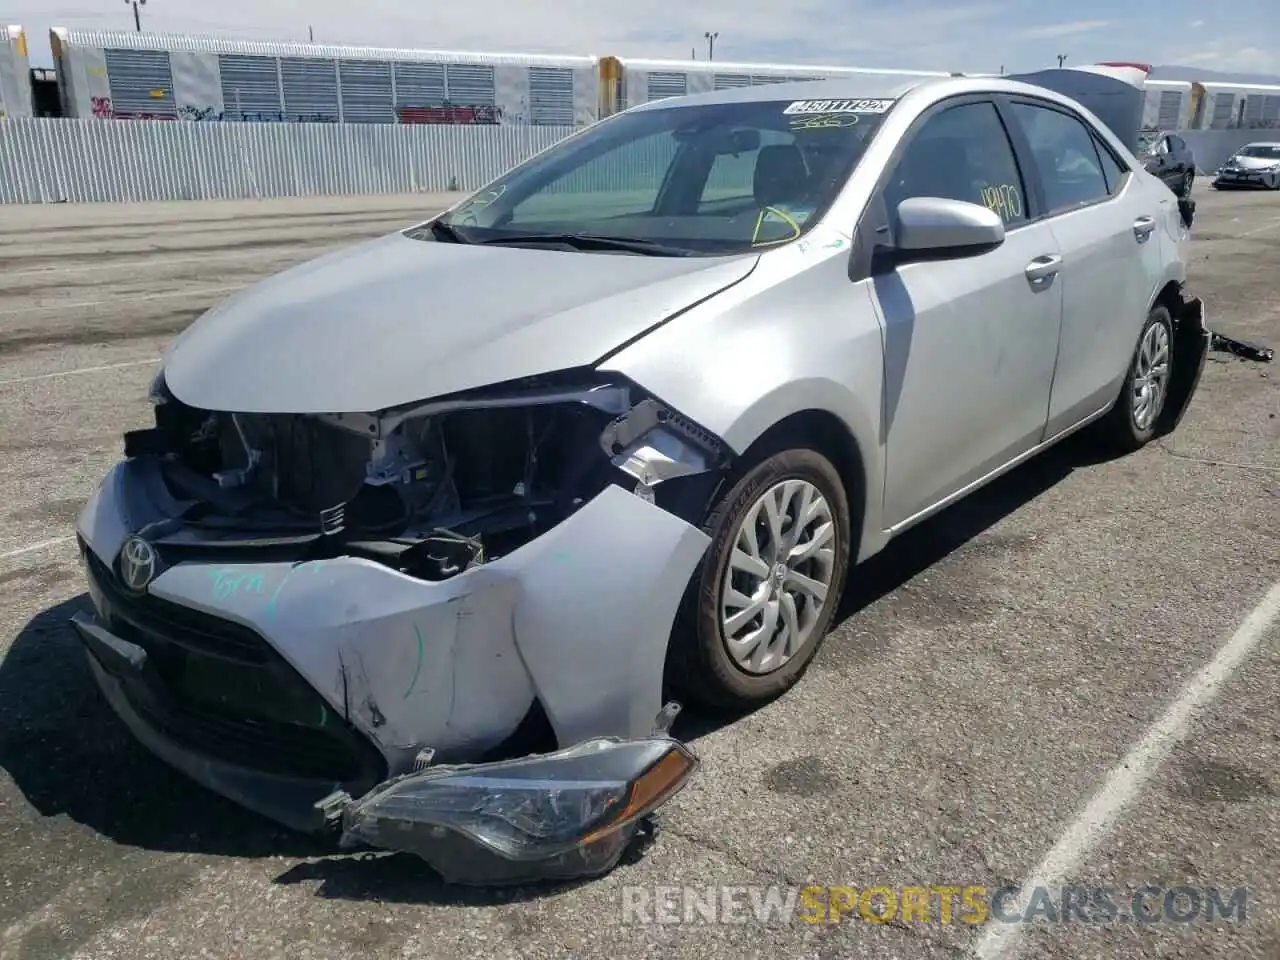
x=1253 y=165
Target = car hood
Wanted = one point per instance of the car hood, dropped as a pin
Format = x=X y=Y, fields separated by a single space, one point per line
x=397 y=320
x=1251 y=163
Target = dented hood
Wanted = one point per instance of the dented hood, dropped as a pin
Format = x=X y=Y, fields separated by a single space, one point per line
x=396 y=320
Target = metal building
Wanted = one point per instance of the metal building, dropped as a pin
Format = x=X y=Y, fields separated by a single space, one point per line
x=626 y=82
x=1226 y=106
x=170 y=77
x=15 y=73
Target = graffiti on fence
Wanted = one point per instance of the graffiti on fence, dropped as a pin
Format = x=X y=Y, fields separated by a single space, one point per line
x=200 y=114
x=449 y=113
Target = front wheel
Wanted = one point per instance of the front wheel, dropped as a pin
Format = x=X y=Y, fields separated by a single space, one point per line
x=1188 y=181
x=1132 y=422
x=765 y=594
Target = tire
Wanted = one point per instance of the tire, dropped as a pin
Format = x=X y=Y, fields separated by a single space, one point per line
x=1129 y=426
x=1188 y=181
x=700 y=666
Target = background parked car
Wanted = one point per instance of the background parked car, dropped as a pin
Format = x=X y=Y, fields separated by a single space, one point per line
x=1253 y=165
x=1170 y=159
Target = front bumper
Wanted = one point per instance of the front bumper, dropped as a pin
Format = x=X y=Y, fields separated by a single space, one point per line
x=1245 y=178
x=276 y=684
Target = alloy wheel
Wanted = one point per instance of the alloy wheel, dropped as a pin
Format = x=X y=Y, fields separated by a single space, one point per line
x=777 y=580
x=1151 y=376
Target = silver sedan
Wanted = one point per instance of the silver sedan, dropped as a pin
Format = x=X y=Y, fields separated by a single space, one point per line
x=619 y=425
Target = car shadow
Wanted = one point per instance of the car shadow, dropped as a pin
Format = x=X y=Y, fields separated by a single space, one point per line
x=71 y=757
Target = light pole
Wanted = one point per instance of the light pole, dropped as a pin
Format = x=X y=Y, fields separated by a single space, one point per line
x=1062 y=58
x=137 y=18
x=711 y=44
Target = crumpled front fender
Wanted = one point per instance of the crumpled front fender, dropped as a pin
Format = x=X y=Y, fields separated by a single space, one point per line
x=578 y=618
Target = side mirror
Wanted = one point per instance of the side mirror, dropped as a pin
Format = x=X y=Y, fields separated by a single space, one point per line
x=935 y=227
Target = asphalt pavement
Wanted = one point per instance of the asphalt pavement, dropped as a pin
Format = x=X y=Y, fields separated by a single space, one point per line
x=1057 y=677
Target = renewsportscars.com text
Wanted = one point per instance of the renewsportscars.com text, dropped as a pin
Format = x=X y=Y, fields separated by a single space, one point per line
x=938 y=903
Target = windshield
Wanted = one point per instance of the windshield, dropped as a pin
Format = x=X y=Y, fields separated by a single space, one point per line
x=710 y=179
x=1269 y=151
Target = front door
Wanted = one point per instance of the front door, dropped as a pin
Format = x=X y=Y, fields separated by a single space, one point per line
x=970 y=343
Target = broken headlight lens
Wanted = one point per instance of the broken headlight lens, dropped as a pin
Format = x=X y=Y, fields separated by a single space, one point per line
x=555 y=816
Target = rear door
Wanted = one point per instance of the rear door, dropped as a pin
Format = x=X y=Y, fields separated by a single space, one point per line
x=1104 y=222
x=970 y=342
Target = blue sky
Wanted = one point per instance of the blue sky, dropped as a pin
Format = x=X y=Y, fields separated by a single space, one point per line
x=975 y=35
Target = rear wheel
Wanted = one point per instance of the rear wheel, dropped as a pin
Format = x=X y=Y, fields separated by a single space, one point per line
x=1132 y=422
x=759 y=606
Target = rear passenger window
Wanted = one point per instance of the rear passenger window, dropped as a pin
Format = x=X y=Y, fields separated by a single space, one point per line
x=962 y=153
x=1065 y=156
x=1114 y=172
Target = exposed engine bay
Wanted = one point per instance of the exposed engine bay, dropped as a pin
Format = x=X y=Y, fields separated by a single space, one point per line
x=431 y=489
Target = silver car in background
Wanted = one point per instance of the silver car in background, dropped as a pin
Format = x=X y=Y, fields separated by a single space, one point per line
x=1253 y=165
x=618 y=426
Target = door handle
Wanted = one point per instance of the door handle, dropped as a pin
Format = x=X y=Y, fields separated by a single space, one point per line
x=1143 y=227
x=1041 y=271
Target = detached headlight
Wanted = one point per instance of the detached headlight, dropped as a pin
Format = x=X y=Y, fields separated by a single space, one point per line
x=557 y=816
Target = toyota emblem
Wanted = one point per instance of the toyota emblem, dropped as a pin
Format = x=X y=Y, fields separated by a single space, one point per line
x=138 y=563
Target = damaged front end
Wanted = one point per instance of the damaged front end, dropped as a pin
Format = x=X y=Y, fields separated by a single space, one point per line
x=430 y=489
x=348 y=621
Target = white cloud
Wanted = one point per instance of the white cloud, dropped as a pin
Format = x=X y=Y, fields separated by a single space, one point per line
x=1052 y=30
x=1231 y=56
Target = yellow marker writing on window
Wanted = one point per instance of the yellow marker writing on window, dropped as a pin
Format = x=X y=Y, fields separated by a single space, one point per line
x=784 y=217
x=1004 y=199
x=824 y=120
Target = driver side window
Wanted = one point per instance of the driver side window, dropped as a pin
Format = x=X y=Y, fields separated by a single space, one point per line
x=962 y=153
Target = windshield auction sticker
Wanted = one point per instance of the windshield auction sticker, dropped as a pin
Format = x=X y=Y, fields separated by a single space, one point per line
x=838 y=106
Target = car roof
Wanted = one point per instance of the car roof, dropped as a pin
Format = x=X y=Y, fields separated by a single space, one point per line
x=1262 y=143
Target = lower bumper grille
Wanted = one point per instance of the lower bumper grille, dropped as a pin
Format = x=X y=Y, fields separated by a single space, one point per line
x=218 y=689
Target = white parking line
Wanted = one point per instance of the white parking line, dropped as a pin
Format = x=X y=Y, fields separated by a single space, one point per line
x=32 y=548
x=79 y=370
x=1126 y=780
x=1275 y=222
